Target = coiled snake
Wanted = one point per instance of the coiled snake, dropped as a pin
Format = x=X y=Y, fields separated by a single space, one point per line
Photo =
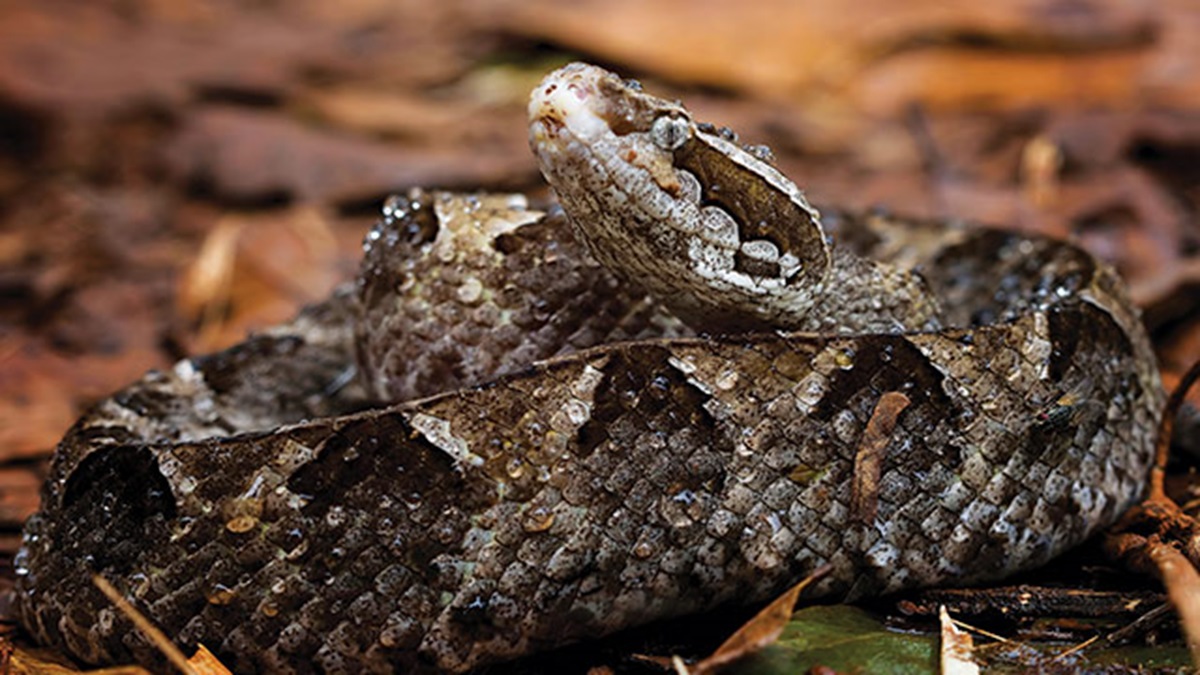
x=729 y=399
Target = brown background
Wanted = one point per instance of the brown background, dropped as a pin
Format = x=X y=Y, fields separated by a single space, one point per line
x=174 y=174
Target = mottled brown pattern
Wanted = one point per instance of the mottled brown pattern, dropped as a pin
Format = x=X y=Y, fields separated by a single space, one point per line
x=590 y=465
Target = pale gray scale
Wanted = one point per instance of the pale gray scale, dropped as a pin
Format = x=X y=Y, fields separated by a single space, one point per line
x=611 y=194
x=689 y=186
x=644 y=192
x=718 y=227
x=762 y=251
x=760 y=259
x=789 y=265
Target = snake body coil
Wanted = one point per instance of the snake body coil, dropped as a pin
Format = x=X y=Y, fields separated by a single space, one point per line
x=722 y=407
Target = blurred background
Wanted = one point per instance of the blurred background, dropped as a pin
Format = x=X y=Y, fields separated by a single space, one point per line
x=175 y=174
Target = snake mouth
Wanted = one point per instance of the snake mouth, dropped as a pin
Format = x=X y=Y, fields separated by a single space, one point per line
x=568 y=100
x=580 y=107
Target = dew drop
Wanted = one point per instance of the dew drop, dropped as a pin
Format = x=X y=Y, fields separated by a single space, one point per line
x=220 y=594
x=187 y=485
x=241 y=524
x=298 y=552
x=394 y=208
x=470 y=291
x=577 y=411
x=335 y=517
x=684 y=497
x=445 y=534
x=515 y=468
x=844 y=359
x=538 y=519
x=397 y=545
x=727 y=380
x=411 y=499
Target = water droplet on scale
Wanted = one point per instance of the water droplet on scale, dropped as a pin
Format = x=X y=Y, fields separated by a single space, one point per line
x=515 y=468
x=538 y=519
x=394 y=208
x=684 y=497
x=844 y=359
x=220 y=594
x=411 y=499
x=241 y=524
x=335 y=516
x=727 y=380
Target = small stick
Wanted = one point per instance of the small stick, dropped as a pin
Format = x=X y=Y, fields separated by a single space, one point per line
x=157 y=637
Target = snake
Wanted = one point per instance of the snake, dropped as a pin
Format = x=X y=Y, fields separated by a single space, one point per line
x=680 y=386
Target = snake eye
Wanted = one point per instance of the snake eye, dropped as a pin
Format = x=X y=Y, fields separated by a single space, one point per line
x=669 y=131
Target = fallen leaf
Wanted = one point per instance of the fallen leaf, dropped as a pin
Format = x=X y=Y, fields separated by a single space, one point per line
x=152 y=632
x=846 y=639
x=760 y=631
x=204 y=663
x=956 y=648
x=23 y=661
x=874 y=57
x=868 y=460
x=254 y=156
x=849 y=639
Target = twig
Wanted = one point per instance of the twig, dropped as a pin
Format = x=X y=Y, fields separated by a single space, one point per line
x=157 y=637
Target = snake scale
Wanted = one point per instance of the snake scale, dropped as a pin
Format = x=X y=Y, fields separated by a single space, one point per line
x=520 y=428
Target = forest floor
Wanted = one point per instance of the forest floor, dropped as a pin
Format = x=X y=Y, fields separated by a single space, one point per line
x=175 y=175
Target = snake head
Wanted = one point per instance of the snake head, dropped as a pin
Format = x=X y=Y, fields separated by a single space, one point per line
x=710 y=228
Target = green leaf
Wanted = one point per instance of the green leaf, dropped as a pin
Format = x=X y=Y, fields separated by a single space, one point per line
x=847 y=639
x=852 y=640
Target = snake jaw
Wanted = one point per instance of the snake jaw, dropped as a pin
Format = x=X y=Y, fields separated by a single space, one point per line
x=562 y=103
x=580 y=106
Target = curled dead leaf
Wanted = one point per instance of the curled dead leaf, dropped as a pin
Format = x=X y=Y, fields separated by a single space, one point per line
x=757 y=633
x=957 y=648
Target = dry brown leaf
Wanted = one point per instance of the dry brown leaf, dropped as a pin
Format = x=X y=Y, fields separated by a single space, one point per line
x=757 y=633
x=204 y=663
x=882 y=56
x=1041 y=163
x=868 y=461
x=955 y=78
x=208 y=281
x=101 y=56
x=258 y=155
x=956 y=650
x=154 y=633
x=42 y=391
x=256 y=269
x=24 y=661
